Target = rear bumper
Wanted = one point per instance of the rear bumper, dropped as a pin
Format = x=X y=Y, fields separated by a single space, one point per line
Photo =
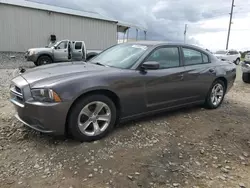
x=46 y=118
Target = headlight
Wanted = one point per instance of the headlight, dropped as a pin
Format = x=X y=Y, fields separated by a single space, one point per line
x=32 y=52
x=45 y=95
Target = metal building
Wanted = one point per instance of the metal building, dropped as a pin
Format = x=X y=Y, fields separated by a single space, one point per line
x=25 y=24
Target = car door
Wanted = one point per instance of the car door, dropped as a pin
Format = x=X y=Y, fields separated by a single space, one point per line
x=61 y=51
x=199 y=73
x=77 y=51
x=164 y=86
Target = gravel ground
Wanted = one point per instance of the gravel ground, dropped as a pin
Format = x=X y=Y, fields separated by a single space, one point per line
x=188 y=148
x=13 y=60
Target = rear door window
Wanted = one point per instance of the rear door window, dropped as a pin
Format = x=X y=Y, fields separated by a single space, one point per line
x=192 y=57
x=205 y=58
x=78 y=45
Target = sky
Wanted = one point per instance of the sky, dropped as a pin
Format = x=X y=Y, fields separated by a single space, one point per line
x=207 y=21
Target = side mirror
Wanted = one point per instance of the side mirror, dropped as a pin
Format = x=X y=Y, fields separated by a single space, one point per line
x=150 y=65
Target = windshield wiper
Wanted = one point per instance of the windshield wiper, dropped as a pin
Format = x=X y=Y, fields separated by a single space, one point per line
x=98 y=63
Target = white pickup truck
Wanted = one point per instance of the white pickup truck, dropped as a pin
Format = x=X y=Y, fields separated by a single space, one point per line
x=230 y=55
x=62 y=51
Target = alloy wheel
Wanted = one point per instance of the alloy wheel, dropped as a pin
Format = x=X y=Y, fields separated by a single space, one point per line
x=94 y=118
x=217 y=94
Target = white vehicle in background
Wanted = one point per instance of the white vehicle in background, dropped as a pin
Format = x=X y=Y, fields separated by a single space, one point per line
x=246 y=68
x=247 y=57
x=229 y=55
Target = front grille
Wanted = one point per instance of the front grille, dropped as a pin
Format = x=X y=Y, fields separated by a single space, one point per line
x=18 y=90
x=17 y=95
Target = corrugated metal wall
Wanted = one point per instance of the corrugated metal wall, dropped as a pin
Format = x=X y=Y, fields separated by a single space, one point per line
x=23 y=28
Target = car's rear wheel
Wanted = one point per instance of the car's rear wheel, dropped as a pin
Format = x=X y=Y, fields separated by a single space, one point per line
x=92 y=117
x=216 y=95
x=43 y=60
x=246 y=77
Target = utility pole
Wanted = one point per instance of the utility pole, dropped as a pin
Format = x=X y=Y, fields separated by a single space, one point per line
x=185 y=32
x=230 y=23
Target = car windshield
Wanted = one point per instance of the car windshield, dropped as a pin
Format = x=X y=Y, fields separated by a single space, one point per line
x=221 y=52
x=122 y=56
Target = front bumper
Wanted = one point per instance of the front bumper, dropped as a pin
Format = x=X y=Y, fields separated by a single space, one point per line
x=43 y=117
x=32 y=58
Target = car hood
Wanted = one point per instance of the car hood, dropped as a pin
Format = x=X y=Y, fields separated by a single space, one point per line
x=56 y=72
x=41 y=49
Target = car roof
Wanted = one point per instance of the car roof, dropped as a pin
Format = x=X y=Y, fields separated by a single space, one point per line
x=158 y=43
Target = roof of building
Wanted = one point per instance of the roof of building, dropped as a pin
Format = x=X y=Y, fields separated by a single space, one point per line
x=41 y=6
x=122 y=26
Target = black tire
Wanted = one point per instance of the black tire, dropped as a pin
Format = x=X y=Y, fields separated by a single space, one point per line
x=237 y=61
x=246 y=77
x=208 y=103
x=75 y=111
x=44 y=60
x=36 y=63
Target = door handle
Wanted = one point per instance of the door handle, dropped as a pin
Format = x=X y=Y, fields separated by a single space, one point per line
x=181 y=76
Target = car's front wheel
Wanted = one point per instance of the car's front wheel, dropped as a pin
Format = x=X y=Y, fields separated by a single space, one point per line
x=43 y=60
x=92 y=117
x=216 y=95
x=246 y=77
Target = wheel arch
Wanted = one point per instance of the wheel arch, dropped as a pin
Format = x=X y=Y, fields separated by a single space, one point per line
x=224 y=80
x=48 y=55
x=108 y=93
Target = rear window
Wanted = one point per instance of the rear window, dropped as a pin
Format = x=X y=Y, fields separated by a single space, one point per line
x=221 y=52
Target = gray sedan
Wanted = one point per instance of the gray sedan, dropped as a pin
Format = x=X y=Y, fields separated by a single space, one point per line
x=126 y=81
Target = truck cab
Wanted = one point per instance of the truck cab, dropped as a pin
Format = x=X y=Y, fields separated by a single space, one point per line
x=66 y=50
x=61 y=51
